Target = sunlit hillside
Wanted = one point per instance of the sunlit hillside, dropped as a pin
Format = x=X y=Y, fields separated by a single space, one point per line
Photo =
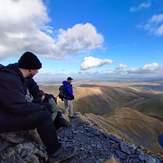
x=105 y=99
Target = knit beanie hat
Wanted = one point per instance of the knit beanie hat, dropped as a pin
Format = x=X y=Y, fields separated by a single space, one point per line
x=29 y=61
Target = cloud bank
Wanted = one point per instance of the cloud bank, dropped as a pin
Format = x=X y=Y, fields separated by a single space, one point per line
x=24 y=26
x=151 y=68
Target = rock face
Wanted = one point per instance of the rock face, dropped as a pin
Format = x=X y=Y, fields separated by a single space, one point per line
x=21 y=147
x=93 y=146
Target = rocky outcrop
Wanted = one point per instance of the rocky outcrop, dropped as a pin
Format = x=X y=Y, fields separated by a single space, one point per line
x=21 y=147
x=93 y=146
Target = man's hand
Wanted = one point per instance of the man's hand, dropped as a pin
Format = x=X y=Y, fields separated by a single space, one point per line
x=43 y=97
x=72 y=97
x=48 y=107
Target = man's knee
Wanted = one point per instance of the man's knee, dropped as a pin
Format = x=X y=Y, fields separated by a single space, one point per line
x=41 y=117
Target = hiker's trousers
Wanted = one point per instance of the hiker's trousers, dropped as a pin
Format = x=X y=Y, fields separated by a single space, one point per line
x=40 y=120
x=69 y=107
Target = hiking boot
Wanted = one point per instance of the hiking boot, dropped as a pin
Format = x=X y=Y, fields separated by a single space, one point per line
x=62 y=154
x=61 y=122
x=64 y=123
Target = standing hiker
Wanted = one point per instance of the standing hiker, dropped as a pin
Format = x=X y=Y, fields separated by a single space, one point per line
x=66 y=95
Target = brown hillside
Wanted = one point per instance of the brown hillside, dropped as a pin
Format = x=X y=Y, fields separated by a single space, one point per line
x=104 y=99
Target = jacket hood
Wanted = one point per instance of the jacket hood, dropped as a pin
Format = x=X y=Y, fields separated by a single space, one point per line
x=14 y=68
x=64 y=82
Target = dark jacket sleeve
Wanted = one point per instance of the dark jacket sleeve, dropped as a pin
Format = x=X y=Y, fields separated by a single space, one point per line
x=34 y=90
x=12 y=97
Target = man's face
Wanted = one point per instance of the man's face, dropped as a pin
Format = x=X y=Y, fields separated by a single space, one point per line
x=32 y=72
x=69 y=81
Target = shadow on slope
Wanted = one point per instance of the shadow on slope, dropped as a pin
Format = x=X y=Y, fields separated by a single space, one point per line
x=104 y=99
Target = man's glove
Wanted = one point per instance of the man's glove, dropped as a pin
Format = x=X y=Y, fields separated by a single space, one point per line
x=72 y=97
x=47 y=107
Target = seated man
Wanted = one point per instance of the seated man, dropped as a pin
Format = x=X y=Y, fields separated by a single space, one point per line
x=18 y=113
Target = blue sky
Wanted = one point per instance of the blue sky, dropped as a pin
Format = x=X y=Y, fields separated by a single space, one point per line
x=122 y=37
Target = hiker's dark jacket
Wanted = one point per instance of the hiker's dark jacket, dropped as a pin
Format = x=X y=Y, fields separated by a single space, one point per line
x=68 y=90
x=34 y=90
x=13 y=90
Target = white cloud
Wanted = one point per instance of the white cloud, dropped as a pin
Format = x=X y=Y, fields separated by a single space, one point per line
x=24 y=26
x=123 y=71
x=91 y=62
x=79 y=38
x=155 y=25
x=146 y=69
x=141 y=6
x=151 y=67
x=157 y=18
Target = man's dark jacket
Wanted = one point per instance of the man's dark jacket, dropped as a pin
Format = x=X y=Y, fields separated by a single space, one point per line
x=13 y=91
x=34 y=90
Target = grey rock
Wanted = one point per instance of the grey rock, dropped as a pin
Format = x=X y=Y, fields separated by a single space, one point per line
x=115 y=139
x=120 y=155
x=126 y=148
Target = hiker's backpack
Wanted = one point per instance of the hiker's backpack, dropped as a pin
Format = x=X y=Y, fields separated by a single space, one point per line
x=61 y=92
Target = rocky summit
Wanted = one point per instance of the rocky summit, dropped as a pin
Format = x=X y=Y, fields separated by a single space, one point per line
x=93 y=145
